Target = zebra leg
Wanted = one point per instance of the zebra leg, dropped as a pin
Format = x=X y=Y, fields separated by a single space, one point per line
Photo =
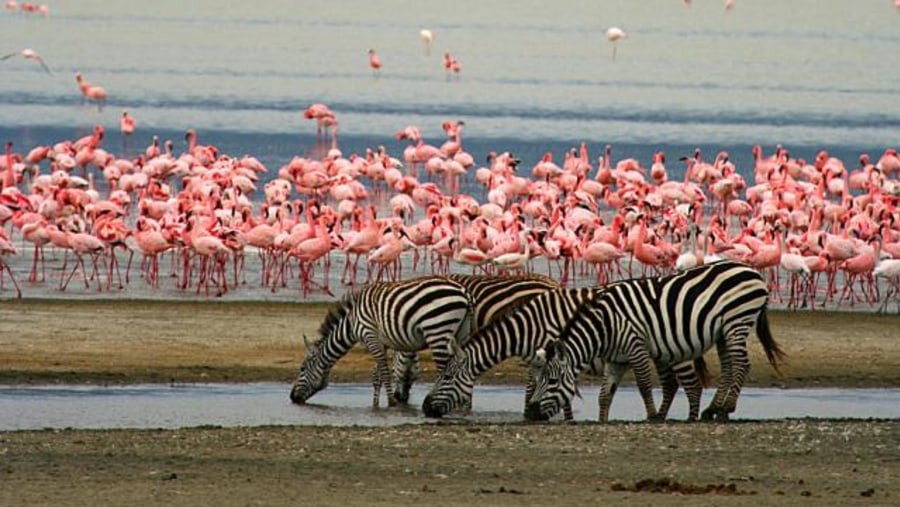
x=740 y=367
x=725 y=380
x=382 y=375
x=692 y=376
x=643 y=375
x=376 y=387
x=669 y=388
x=611 y=377
x=406 y=372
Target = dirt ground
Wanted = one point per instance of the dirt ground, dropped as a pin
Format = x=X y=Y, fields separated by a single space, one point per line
x=744 y=463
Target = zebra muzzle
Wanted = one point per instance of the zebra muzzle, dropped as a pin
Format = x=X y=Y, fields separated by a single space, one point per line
x=533 y=412
x=430 y=409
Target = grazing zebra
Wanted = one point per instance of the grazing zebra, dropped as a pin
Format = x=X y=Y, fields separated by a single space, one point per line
x=662 y=320
x=522 y=333
x=406 y=316
x=492 y=296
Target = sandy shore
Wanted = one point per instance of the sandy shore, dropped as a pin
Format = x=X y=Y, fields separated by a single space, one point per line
x=126 y=341
x=785 y=462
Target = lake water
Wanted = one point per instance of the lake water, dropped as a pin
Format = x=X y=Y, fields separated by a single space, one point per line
x=537 y=76
x=266 y=403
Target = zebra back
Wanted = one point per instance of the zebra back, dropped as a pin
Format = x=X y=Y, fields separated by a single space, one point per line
x=495 y=295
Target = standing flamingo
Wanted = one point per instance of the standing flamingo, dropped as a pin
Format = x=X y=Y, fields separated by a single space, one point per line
x=126 y=127
x=889 y=269
x=375 y=63
x=427 y=39
x=614 y=35
x=7 y=248
x=91 y=92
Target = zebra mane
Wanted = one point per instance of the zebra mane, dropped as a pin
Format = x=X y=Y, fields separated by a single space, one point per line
x=336 y=313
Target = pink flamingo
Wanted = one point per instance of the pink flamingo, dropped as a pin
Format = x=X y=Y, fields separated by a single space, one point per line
x=36 y=233
x=91 y=92
x=889 y=269
x=83 y=243
x=151 y=241
x=375 y=63
x=126 y=127
x=7 y=248
x=312 y=250
x=324 y=117
x=860 y=267
x=213 y=253
x=387 y=256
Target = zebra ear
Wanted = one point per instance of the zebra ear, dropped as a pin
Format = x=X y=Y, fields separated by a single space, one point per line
x=310 y=346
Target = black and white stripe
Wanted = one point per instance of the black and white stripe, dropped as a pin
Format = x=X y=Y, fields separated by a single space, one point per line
x=663 y=320
x=492 y=296
x=522 y=333
x=518 y=333
x=408 y=316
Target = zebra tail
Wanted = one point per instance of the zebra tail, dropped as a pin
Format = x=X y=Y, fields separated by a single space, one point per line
x=702 y=371
x=774 y=353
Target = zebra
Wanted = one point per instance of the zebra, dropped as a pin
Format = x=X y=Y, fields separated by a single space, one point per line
x=492 y=296
x=406 y=316
x=522 y=333
x=662 y=320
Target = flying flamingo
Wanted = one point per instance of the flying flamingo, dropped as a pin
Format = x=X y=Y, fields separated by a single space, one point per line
x=614 y=35
x=375 y=63
x=31 y=55
x=451 y=64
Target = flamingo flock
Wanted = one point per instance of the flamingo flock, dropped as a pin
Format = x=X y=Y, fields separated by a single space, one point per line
x=823 y=233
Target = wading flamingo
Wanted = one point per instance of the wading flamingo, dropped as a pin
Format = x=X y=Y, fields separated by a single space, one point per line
x=614 y=35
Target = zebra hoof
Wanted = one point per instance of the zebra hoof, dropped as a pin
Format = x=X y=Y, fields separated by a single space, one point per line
x=401 y=398
x=657 y=418
x=708 y=414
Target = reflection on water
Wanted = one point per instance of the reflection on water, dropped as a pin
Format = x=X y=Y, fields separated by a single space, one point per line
x=257 y=404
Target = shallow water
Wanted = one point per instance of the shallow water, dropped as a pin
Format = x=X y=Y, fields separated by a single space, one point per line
x=256 y=404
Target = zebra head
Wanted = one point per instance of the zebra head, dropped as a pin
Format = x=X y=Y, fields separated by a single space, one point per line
x=452 y=389
x=554 y=383
x=313 y=376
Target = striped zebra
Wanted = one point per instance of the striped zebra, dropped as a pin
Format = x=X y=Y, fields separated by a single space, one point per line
x=520 y=333
x=492 y=296
x=408 y=316
x=663 y=320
